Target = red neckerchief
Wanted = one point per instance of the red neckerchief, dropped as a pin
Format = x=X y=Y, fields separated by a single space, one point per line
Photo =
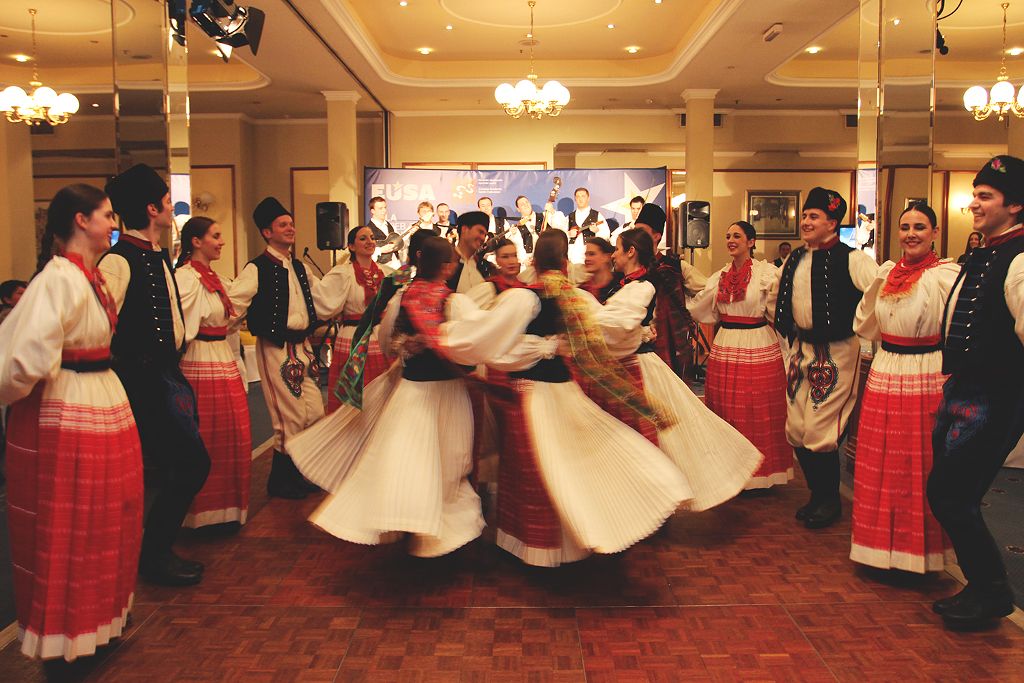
x=589 y=286
x=212 y=283
x=141 y=244
x=637 y=274
x=368 y=278
x=902 y=277
x=270 y=255
x=732 y=285
x=833 y=241
x=501 y=284
x=1005 y=237
x=99 y=286
x=423 y=302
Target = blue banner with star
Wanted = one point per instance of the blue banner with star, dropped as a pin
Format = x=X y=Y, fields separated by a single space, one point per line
x=610 y=190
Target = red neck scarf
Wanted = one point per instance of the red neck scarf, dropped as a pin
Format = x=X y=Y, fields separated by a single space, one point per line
x=212 y=283
x=423 y=302
x=637 y=274
x=99 y=286
x=140 y=243
x=368 y=278
x=902 y=277
x=732 y=285
x=1005 y=237
x=501 y=284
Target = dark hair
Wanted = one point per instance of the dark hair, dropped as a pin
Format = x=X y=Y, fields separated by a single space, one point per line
x=550 y=251
x=197 y=226
x=602 y=244
x=69 y=201
x=374 y=200
x=981 y=238
x=926 y=210
x=502 y=243
x=9 y=287
x=786 y=243
x=350 y=239
x=580 y=189
x=640 y=240
x=747 y=229
x=416 y=244
x=522 y=196
x=636 y=199
x=483 y=198
x=433 y=254
x=424 y=205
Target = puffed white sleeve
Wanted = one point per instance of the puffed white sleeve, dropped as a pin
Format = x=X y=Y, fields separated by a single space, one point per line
x=242 y=289
x=527 y=352
x=117 y=274
x=190 y=291
x=602 y=227
x=558 y=221
x=32 y=336
x=703 y=306
x=694 y=281
x=865 y=321
x=621 y=316
x=863 y=270
x=331 y=291
x=472 y=336
x=773 y=294
x=1014 y=290
x=483 y=294
x=946 y=274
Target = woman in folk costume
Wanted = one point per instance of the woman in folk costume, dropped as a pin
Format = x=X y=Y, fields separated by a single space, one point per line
x=400 y=465
x=746 y=380
x=572 y=479
x=368 y=275
x=210 y=366
x=597 y=262
x=74 y=462
x=893 y=525
x=506 y=257
x=716 y=459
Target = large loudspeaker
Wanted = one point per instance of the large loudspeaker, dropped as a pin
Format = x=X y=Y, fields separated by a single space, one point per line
x=331 y=225
x=696 y=224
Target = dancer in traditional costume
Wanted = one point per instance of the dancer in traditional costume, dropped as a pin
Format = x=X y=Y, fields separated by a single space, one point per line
x=506 y=258
x=368 y=276
x=746 y=378
x=147 y=348
x=716 y=460
x=981 y=417
x=210 y=366
x=893 y=527
x=819 y=289
x=597 y=262
x=283 y=303
x=74 y=461
x=677 y=280
x=573 y=479
x=400 y=465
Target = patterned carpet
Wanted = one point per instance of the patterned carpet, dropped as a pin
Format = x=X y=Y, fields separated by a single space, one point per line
x=737 y=593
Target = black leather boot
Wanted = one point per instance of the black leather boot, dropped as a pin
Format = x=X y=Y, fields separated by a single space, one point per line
x=942 y=604
x=166 y=569
x=980 y=606
x=283 y=479
x=807 y=466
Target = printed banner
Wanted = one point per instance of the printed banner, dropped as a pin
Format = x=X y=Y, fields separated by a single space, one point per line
x=610 y=190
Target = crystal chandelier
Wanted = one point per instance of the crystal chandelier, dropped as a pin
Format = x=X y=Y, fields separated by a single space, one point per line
x=44 y=105
x=1002 y=99
x=524 y=97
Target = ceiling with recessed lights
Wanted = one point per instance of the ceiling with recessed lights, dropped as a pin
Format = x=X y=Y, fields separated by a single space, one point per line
x=448 y=55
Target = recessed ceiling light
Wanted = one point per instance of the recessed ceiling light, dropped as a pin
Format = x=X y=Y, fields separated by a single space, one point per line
x=1015 y=51
x=449 y=27
x=611 y=25
x=425 y=50
x=96 y=105
x=22 y=58
x=657 y=2
x=529 y=35
x=403 y=3
x=813 y=50
x=896 y=21
x=632 y=49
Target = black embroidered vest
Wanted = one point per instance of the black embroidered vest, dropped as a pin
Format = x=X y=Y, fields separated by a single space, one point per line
x=585 y=230
x=981 y=340
x=834 y=297
x=547 y=323
x=483 y=266
x=527 y=234
x=145 y=324
x=426 y=366
x=268 y=312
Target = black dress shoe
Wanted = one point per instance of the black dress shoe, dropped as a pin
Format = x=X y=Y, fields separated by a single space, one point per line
x=824 y=514
x=804 y=510
x=980 y=606
x=284 y=480
x=188 y=565
x=286 y=489
x=167 y=571
x=942 y=604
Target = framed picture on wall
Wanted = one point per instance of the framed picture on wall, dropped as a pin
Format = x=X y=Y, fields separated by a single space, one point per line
x=774 y=213
x=915 y=200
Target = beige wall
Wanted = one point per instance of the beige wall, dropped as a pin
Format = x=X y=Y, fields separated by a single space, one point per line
x=17 y=211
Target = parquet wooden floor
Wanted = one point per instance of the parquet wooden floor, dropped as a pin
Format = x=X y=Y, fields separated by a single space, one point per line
x=740 y=593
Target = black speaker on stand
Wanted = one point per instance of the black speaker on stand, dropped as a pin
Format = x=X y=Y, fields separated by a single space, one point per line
x=331 y=225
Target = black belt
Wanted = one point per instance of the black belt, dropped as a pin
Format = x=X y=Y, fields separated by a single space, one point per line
x=730 y=325
x=210 y=337
x=86 y=365
x=910 y=350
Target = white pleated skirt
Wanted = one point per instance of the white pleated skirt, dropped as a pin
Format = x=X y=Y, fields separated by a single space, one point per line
x=715 y=458
x=610 y=486
x=399 y=466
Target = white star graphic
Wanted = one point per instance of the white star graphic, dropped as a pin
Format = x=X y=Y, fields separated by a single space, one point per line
x=621 y=206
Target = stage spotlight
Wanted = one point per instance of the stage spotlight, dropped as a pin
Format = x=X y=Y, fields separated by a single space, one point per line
x=228 y=23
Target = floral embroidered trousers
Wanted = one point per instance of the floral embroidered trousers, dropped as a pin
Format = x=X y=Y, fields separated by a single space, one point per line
x=821 y=390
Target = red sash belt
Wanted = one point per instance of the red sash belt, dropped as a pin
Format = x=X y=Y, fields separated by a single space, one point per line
x=86 y=360
x=911 y=345
x=212 y=333
x=739 y=322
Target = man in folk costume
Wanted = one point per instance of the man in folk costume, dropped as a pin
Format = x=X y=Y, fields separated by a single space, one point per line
x=146 y=349
x=583 y=223
x=382 y=230
x=818 y=292
x=283 y=302
x=981 y=417
x=472 y=269
x=674 y=324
